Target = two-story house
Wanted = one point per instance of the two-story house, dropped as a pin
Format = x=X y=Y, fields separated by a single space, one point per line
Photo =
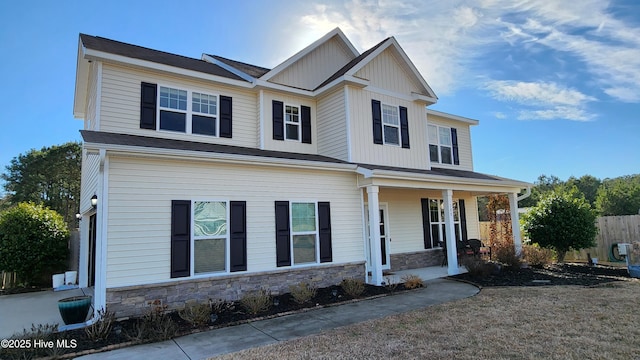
x=207 y=178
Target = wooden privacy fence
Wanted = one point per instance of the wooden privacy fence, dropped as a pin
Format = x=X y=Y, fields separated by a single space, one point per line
x=611 y=230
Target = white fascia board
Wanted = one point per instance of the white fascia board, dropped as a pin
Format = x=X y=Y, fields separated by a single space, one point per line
x=452 y=117
x=100 y=55
x=343 y=80
x=300 y=54
x=259 y=83
x=408 y=176
x=82 y=83
x=228 y=67
x=220 y=157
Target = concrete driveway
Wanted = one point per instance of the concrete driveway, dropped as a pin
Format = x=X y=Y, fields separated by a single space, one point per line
x=20 y=311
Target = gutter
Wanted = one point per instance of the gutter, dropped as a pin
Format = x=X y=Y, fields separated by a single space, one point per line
x=525 y=195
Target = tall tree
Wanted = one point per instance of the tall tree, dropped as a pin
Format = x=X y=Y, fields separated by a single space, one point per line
x=49 y=176
x=543 y=186
x=588 y=185
x=619 y=196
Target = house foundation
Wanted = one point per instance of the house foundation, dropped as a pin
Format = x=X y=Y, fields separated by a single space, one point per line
x=135 y=300
x=416 y=260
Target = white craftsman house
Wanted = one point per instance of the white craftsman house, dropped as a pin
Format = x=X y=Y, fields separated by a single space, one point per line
x=212 y=177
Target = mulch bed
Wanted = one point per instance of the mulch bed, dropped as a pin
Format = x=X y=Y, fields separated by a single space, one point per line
x=556 y=274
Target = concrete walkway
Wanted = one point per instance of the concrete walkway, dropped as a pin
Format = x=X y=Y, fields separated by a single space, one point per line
x=258 y=333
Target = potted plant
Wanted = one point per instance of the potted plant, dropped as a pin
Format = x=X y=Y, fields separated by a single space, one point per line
x=74 y=309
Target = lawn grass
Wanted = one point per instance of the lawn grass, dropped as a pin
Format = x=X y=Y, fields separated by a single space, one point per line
x=549 y=322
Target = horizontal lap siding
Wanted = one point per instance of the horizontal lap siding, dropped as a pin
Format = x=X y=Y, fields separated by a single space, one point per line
x=362 y=146
x=89 y=180
x=140 y=194
x=288 y=145
x=405 y=217
x=332 y=126
x=120 y=107
x=464 y=141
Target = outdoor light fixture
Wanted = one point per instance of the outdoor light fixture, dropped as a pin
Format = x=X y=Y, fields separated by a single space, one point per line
x=94 y=201
x=79 y=216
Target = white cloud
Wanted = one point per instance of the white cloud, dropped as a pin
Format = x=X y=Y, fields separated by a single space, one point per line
x=449 y=40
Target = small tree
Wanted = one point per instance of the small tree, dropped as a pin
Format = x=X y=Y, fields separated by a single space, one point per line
x=33 y=241
x=563 y=220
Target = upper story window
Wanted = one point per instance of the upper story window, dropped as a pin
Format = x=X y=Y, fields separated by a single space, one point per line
x=443 y=145
x=391 y=124
x=292 y=122
x=187 y=111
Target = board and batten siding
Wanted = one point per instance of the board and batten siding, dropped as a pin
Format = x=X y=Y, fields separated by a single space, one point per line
x=332 y=126
x=464 y=141
x=315 y=67
x=384 y=71
x=405 y=217
x=363 y=150
x=120 y=106
x=91 y=101
x=288 y=145
x=141 y=190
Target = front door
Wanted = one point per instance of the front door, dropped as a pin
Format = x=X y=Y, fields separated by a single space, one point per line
x=384 y=235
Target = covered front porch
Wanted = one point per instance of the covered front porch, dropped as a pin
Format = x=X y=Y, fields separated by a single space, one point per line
x=411 y=215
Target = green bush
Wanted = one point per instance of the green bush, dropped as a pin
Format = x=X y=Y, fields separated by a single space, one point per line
x=562 y=221
x=33 y=242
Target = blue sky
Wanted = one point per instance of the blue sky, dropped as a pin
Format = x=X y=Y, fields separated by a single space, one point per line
x=555 y=84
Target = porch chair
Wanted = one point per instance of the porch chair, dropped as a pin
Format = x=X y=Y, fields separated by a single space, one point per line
x=478 y=247
x=462 y=249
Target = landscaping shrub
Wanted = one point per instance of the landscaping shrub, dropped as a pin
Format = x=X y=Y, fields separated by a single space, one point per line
x=505 y=253
x=537 y=256
x=219 y=306
x=155 y=325
x=256 y=301
x=477 y=267
x=303 y=292
x=101 y=329
x=33 y=242
x=412 y=281
x=352 y=287
x=197 y=315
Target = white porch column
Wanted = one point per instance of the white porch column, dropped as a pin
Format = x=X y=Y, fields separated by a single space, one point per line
x=452 y=252
x=515 y=223
x=374 y=235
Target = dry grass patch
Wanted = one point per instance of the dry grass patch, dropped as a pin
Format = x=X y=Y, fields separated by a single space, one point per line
x=556 y=322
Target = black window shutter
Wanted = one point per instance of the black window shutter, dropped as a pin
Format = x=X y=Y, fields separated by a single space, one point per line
x=148 y=96
x=463 y=219
x=278 y=120
x=306 y=124
x=454 y=142
x=238 y=236
x=225 y=116
x=377 y=121
x=324 y=231
x=404 y=127
x=426 y=224
x=283 y=234
x=180 y=238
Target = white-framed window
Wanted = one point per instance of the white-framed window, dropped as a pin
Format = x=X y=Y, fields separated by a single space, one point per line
x=436 y=217
x=390 y=124
x=304 y=233
x=440 y=145
x=292 y=122
x=187 y=111
x=210 y=237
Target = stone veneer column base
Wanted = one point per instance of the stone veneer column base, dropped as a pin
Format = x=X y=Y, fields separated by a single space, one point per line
x=135 y=300
x=415 y=260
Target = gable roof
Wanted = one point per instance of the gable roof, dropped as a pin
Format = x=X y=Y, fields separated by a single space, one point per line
x=251 y=70
x=337 y=33
x=142 y=53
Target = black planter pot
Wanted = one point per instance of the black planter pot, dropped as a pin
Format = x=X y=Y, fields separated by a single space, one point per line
x=74 y=309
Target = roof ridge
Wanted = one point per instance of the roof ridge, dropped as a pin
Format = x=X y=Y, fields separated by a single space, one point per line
x=222 y=58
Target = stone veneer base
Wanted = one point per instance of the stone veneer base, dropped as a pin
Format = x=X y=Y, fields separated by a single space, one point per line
x=135 y=300
x=415 y=260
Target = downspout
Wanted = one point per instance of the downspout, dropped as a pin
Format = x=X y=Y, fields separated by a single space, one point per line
x=526 y=194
